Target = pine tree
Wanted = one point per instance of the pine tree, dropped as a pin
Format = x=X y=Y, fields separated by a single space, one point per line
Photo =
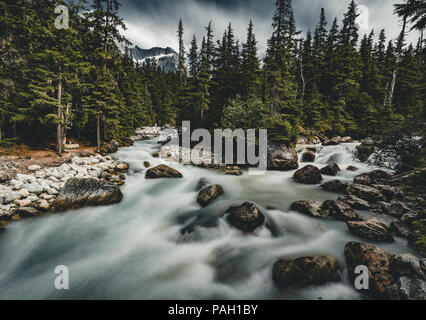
x=250 y=65
x=181 y=69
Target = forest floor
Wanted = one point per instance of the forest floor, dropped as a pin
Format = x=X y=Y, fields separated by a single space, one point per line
x=23 y=156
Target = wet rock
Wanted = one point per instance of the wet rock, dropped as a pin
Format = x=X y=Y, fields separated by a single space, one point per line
x=367 y=193
x=335 y=186
x=346 y=139
x=398 y=208
x=207 y=195
x=378 y=262
x=331 y=142
x=282 y=157
x=339 y=210
x=122 y=167
x=385 y=271
x=79 y=193
x=309 y=207
x=388 y=191
x=355 y=202
x=352 y=168
x=308 y=156
x=27 y=212
x=246 y=217
x=232 y=171
x=308 y=175
x=330 y=170
x=371 y=230
x=363 y=179
x=162 y=171
x=364 y=151
x=146 y=164
x=305 y=271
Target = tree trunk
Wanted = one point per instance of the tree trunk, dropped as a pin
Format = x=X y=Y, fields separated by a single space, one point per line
x=303 y=80
x=59 y=141
x=398 y=60
x=98 y=130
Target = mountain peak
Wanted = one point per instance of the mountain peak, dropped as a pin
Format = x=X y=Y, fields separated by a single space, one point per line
x=166 y=58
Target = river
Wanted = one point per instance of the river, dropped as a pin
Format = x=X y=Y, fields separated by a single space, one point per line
x=135 y=250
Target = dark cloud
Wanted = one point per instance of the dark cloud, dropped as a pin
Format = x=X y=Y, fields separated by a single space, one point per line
x=154 y=22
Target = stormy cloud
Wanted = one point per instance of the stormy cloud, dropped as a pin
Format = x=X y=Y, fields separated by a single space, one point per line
x=153 y=22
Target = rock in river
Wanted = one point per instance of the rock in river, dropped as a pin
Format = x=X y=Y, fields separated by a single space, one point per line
x=162 y=171
x=330 y=170
x=209 y=194
x=246 y=217
x=392 y=276
x=370 y=230
x=309 y=207
x=308 y=156
x=339 y=210
x=315 y=270
x=282 y=157
x=308 y=175
x=367 y=193
x=79 y=193
x=334 y=186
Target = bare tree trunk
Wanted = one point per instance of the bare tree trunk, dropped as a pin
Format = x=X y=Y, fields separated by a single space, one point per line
x=59 y=141
x=398 y=60
x=1 y=124
x=303 y=80
x=98 y=130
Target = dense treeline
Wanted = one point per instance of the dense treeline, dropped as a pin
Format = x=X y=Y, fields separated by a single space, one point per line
x=330 y=81
x=78 y=82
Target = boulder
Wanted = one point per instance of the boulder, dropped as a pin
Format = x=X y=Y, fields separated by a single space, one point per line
x=232 y=171
x=346 y=139
x=352 y=168
x=364 y=151
x=162 y=171
x=33 y=188
x=378 y=262
x=388 y=191
x=146 y=164
x=401 y=228
x=282 y=157
x=398 y=209
x=367 y=193
x=305 y=271
x=34 y=168
x=308 y=156
x=79 y=193
x=246 y=217
x=335 y=186
x=339 y=210
x=122 y=167
x=26 y=212
x=331 y=142
x=308 y=175
x=355 y=202
x=370 y=229
x=207 y=195
x=330 y=170
x=386 y=272
x=309 y=207
x=363 y=179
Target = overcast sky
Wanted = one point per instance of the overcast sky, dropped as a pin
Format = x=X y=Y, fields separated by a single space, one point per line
x=154 y=22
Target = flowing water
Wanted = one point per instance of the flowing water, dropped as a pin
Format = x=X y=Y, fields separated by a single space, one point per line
x=135 y=249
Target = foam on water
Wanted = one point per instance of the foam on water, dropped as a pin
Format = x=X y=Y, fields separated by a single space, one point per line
x=135 y=249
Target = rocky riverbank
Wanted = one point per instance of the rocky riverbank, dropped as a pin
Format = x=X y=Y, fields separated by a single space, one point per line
x=29 y=188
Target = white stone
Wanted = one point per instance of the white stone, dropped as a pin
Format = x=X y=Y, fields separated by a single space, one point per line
x=51 y=191
x=76 y=160
x=24 y=193
x=23 y=203
x=34 y=168
x=43 y=204
x=47 y=196
x=33 y=188
x=64 y=168
x=12 y=196
x=33 y=198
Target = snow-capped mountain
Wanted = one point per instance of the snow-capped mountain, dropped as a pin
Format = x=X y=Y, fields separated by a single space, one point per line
x=166 y=58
